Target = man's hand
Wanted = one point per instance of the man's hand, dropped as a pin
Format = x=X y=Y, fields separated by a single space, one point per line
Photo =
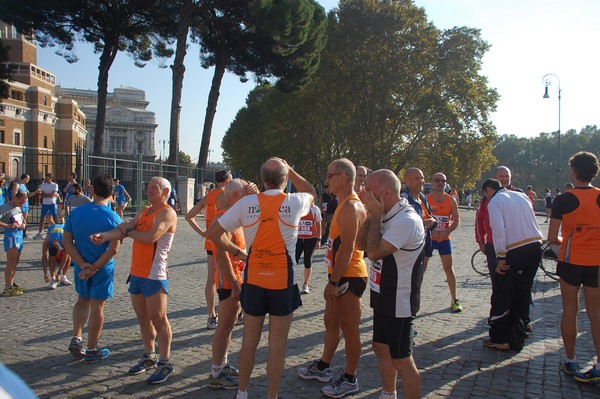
x=235 y=291
x=330 y=293
x=87 y=271
x=98 y=238
x=502 y=267
x=373 y=205
x=429 y=222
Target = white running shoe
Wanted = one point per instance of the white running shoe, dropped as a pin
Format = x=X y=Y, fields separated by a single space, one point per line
x=64 y=281
x=53 y=284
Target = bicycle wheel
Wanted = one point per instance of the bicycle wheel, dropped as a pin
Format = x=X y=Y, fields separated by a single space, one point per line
x=479 y=263
x=548 y=262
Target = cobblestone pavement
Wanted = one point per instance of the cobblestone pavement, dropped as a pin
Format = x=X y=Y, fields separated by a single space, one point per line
x=35 y=330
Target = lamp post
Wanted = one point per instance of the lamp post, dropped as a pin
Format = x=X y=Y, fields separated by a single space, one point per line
x=547 y=80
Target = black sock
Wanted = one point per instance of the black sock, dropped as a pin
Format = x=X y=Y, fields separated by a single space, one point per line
x=321 y=365
x=350 y=378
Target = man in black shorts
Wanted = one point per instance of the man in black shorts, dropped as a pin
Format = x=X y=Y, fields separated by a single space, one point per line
x=394 y=256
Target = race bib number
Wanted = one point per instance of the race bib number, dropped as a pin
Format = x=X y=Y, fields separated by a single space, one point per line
x=375 y=275
x=18 y=219
x=305 y=228
x=329 y=252
x=443 y=222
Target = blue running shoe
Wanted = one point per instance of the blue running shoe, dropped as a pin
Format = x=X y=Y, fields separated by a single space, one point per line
x=96 y=355
x=592 y=376
x=163 y=371
x=569 y=368
x=146 y=363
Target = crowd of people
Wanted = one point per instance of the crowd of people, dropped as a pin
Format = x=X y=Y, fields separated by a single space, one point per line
x=377 y=235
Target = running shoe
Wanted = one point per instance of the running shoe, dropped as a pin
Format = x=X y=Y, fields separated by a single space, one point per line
x=96 y=355
x=38 y=236
x=592 y=376
x=230 y=371
x=76 y=348
x=504 y=346
x=305 y=290
x=312 y=372
x=144 y=364
x=456 y=306
x=212 y=322
x=64 y=281
x=18 y=287
x=240 y=319
x=223 y=381
x=163 y=371
x=53 y=284
x=569 y=368
x=340 y=388
x=12 y=291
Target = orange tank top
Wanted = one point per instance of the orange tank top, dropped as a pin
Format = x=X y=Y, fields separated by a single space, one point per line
x=237 y=237
x=269 y=265
x=581 y=230
x=441 y=211
x=150 y=260
x=357 y=266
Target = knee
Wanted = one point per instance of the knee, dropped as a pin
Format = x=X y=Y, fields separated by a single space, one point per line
x=380 y=350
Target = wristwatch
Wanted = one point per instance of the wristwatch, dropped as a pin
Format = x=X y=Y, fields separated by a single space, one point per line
x=334 y=283
x=127 y=230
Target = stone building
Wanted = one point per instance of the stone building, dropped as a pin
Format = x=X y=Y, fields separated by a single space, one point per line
x=39 y=132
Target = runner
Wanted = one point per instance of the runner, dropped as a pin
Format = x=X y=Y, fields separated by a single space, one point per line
x=53 y=253
x=309 y=238
x=14 y=223
x=122 y=197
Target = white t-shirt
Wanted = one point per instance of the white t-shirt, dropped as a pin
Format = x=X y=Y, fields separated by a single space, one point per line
x=49 y=188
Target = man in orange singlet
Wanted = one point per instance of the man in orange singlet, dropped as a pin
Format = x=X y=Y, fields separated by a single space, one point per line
x=270 y=221
x=445 y=211
x=152 y=231
x=209 y=203
x=347 y=282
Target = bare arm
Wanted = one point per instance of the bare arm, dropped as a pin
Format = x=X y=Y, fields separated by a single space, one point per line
x=443 y=235
x=191 y=216
x=165 y=220
x=554 y=230
x=302 y=185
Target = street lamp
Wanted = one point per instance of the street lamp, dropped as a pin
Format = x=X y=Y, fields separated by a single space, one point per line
x=547 y=80
x=163 y=147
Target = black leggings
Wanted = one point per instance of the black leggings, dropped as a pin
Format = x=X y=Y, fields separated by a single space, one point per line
x=308 y=246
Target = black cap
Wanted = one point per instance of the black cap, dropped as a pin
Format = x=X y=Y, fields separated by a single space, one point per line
x=222 y=175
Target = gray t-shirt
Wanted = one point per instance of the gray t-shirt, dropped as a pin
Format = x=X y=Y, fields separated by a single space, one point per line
x=77 y=200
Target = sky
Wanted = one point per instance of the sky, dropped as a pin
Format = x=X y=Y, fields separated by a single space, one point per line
x=528 y=39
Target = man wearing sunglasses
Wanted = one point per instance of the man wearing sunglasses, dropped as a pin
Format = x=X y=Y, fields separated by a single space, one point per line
x=445 y=211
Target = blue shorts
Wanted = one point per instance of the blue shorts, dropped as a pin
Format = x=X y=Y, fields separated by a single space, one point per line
x=13 y=241
x=98 y=287
x=121 y=202
x=443 y=247
x=25 y=207
x=49 y=209
x=146 y=286
x=258 y=301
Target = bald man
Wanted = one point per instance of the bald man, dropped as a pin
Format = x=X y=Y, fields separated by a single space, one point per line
x=393 y=236
x=270 y=221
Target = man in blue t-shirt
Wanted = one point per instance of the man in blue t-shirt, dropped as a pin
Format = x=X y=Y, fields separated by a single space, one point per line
x=94 y=267
x=122 y=197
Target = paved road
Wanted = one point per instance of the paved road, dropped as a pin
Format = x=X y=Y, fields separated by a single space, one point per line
x=35 y=330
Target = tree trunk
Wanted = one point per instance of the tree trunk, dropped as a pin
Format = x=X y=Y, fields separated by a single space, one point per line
x=178 y=73
x=107 y=58
x=211 y=109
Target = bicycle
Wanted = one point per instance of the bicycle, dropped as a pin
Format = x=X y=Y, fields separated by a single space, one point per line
x=549 y=260
x=479 y=263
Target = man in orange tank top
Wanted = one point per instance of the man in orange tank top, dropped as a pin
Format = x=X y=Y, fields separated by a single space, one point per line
x=270 y=221
x=445 y=211
x=347 y=282
x=209 y=204
x=152 y=229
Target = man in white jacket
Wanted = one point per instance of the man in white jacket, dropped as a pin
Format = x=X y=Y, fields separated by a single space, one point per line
x=517 y=240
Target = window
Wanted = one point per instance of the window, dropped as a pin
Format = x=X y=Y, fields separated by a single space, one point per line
x=16 y=95
x=45 y=141
x=17 y=138
x=1 y=136
x=44 y=100
x=2 y=167
x=2 y=120
x=118 y=144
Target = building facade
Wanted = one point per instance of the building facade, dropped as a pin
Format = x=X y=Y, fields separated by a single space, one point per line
x=39 y=133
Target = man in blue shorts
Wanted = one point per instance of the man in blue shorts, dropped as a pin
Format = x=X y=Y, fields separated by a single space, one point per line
x=122 y=197
x=94 y=267
x=48 y=190
x=11 y=218
x=53 y=254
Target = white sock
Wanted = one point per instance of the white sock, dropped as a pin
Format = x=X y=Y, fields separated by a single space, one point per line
x=241 y=395
x=225 y=361
x=574 y=360
x=388 y=395
x=215 y=370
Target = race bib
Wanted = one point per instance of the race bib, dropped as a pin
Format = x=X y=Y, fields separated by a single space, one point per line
x=305 y=228
x=443 y=222
x=375 y=275
x=329 y=252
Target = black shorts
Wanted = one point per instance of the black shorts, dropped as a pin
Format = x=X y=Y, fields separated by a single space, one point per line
x=258 y=301
x=356 y=285
x=223 y=293
x=578 y=275
x=397 y=333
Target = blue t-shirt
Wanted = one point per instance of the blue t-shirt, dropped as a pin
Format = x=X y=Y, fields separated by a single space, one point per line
x=56 y=232
x=3 y=192
x=89 y=219
x=119 y=193
x=23 y=189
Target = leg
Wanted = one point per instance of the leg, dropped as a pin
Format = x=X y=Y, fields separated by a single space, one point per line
x=96 y=322
x=349 y=310
x=592 y=308
x=409 y=374
x=450 y=276
x=81 y=313
x=386 y=367
x=228 y=311
x=279 y=327
x=252 y=332
x=146 y=328
x=156 y=308
x=12 y=258
x=209 y=288
x=425 y=263
x=568 y=322
x=332 y=331
x=309 y=248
